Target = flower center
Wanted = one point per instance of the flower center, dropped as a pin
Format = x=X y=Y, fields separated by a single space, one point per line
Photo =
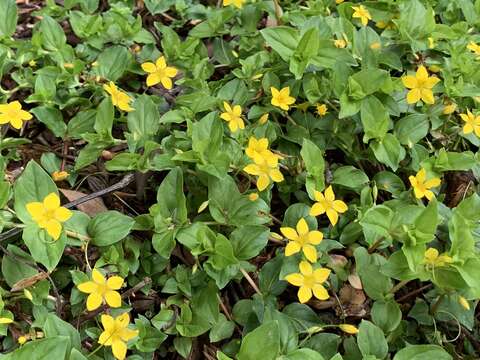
x=309 y=281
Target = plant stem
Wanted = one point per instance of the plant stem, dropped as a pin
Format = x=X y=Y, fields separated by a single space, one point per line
x=250 y=281
x=397 y=287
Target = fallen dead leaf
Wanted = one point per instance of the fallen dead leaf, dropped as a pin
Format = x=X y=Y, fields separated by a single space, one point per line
x=27 y=282
x=91 y=207
x=355 y=281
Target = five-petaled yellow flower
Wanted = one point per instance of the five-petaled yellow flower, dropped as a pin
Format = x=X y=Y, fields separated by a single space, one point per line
x=119 y=98
x=449 y=109
x=101 y=289
x=309 y=281
x=472 y=123
x=420 y=86
x=326 y=203
x=49 y=215
x=302 y=239
x=159 y=73
x=281 y=98
x=475 y=48
x=12 y=113
x=236 y=3
x=233 y=116
x=266 y=170
x=421 y=187
x=433 y=259
x=322 y=109
x=340 y=43
x=116 y=334
x=361 y=13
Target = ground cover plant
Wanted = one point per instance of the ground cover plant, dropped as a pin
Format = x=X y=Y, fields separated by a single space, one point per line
x=240 y=179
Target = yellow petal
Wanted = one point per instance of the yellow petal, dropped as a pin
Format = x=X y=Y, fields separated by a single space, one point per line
x=5 y=320
x=87 y=287
x=431 y=82
x=317 y=209
x=304 y=294
x=413 y=96
x=153 y=79
x=422 y=73
x=113 y=299
x=318 y=196
x=295 y=279
x=429 y=195
x=320 y=292
x=276 y=175
x=413 y=180
x=62 y=214
x=410 y=82
x=149 y=67
x=262 y=182
x=54 y=229
x=166 y=82
x=292 y=247
x=289 y=233
x=127 y=334
x=421 y=175
x=274 y=92
x=94 y=300
x=310 y=253
x=114 y=282
x=467 y=128
x=17 y=123
x=123 y=320
x=418 y=193
x=51 y=201
x=105 y=338
x=119 y=349
x=305 y=268
x=315 y=237
x=427 y=96
x=349 y=329
x=332 y=216
x=321 y=275
x=302 y=227
x=432 y=183
x=329 y=195
x=339 y=206
x=98 y=277
x=35 y=209
x=237 y=110
x=252 y=169
x=171 y=71
x=161 y=62
x=108 y=322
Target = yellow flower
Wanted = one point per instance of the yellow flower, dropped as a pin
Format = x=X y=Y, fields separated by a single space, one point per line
x=421 y=86
x=59 y=175
x=462 y=301
x=472 y=123
x=381 y=24
x=12 y=113
x=159 y=73
x=263 y=119
x=119 y=98
x=32 y=63
x=116 y=334
x=432 y=258
x=322 y=109
x=375 y=45
x=309 y=281
x=449 y=109
x=302 y=239
x=101 y=289
x=340 y=43
x=5 y=320
x=349 y=329
x=253 y=196
x=22 y=340
x=281 y=98
x=266 y=170
x=472 y=46
x=362 y=13
x=236 y=3
x=49 y=215
x=421 y=187
x=326 y=203
x=434 y=68
x=68 y=66
x=431 y=43
x=257 y=150
x=233 y=116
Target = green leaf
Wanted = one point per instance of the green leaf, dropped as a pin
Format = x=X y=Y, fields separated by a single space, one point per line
x=411 y=129
x=223 y=329
x=388 y=151
x=113 y=62
x=371 y=340
x=422 y=352
x=171 y=200
x=248 y=241
x=315 y=165
x=54 y=326
x=52 y=118
x=262 y=343
x=52 y=34
x=302 y=354
x=8 y=17
x=109 y=227
x=282 y=39
x=386 y=315
x=43 y=248
x=143 y=122
x=44 y=349
x=350 y=177
x=367 y=82
x=375 y=119
x=15 y=270
x=306 y=49
x=104 y=118
x=33 y=185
